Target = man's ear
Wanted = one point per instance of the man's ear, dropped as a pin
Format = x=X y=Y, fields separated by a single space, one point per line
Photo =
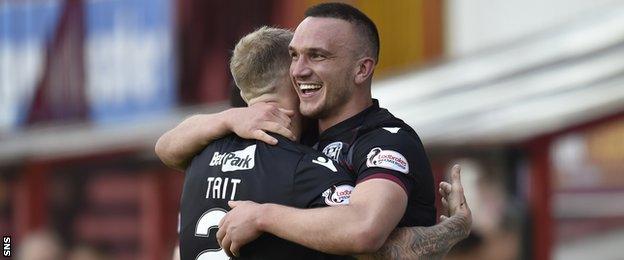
x=364 y=70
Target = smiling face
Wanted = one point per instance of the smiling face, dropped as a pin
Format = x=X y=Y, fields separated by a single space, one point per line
x=323 y=65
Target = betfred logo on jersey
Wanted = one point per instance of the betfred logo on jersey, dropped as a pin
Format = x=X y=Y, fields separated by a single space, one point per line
x=333 y=150
x=234 y=161
x=387 y=159
x=338 y=195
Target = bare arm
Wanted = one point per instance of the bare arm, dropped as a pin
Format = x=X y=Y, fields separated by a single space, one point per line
x=177 y=147
x=360 y=227
x=423 y=242
x=432 y=242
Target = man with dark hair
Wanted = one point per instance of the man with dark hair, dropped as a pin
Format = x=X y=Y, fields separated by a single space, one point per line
x=334 y=51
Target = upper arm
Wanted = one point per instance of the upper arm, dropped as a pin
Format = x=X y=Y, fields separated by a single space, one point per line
x=382 y=203
x=390 y=166
x=177 y=147
x=165 y=149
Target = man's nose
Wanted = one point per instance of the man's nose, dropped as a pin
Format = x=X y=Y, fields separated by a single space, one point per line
x=300 y=69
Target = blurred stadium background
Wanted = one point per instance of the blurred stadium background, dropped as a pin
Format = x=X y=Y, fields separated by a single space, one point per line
x=527 y=95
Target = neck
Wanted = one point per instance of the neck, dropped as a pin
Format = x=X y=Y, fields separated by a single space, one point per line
x=350 y=109
x=296 y=125
x=296 y=120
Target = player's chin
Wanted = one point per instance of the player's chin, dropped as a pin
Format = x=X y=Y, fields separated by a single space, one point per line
x=310 y=109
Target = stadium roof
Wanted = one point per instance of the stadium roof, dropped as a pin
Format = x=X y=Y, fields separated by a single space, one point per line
x=547 y=82
x=554 y=80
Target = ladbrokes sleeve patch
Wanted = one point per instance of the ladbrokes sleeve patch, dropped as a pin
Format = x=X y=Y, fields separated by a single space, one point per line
x=338 y=195
x=387 y=159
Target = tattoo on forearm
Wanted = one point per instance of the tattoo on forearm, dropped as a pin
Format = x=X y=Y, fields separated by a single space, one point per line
x=423 y=242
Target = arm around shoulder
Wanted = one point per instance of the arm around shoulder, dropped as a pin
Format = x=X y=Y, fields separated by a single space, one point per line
x=375 y=208
x=177 y=146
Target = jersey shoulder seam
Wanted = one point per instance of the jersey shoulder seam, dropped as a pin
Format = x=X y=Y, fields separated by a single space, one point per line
x=380 y=131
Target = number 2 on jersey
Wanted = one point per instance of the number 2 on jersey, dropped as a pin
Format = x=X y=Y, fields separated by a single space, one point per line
x=208 y=221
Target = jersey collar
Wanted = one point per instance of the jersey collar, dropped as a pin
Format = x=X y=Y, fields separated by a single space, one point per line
x=351 y=123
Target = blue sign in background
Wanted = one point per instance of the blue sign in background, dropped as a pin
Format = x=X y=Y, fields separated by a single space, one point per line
x=25 y=29
x=130 y=60
x=128 y=51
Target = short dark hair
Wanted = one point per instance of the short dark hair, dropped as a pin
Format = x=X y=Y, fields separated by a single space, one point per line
x=352 y=15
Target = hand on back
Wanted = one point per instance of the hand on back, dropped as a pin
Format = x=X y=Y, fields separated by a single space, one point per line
x=255 y=121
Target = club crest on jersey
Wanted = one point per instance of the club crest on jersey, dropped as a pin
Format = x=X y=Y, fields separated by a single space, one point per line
x=234 y=161
x=387 y=159
x=338 y=195
x=333 y=150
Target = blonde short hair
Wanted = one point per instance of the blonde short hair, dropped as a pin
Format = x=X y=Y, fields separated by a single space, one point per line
x=259 y=59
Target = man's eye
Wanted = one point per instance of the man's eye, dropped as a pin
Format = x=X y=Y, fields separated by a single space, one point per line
x=316 y=56
x=293 y=55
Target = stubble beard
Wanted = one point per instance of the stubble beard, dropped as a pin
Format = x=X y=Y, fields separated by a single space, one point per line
x=329 y=105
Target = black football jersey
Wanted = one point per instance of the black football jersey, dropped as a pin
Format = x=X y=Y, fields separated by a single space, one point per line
x=375 y=144
x=233 y=168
